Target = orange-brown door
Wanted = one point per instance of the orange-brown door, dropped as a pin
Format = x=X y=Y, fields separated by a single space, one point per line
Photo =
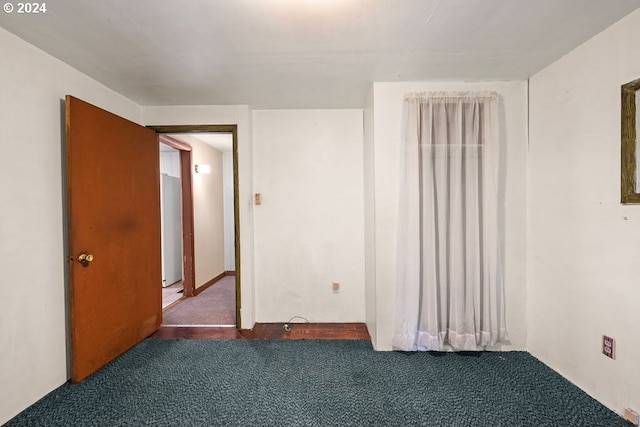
x=113 y=196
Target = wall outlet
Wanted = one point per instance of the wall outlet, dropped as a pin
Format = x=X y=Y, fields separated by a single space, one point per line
x=335 y=287
x=608 y=347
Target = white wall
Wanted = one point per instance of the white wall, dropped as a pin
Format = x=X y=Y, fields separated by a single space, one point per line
x=387 y=111
x=33 y=355
x=229 y=220
x=369 y=218
x=170 y=163
x=208 y=213
x=583 y=244
x=309 y=228
x=225 y=114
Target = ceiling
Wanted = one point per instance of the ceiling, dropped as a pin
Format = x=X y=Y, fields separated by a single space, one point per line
x=305 y=53
x=221 y=141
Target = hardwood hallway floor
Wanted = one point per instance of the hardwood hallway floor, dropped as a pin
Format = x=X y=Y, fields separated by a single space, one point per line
x=263 y=331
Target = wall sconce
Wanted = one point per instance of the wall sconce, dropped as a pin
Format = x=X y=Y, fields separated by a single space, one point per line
x=203 y=169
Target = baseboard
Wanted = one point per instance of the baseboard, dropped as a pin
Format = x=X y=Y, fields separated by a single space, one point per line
x=229 y=273
x=307 y=331
x=202 y=288
x=173 y=303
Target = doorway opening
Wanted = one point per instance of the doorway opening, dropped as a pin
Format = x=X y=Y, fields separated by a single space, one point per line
x=171 y=229
x=205 y=160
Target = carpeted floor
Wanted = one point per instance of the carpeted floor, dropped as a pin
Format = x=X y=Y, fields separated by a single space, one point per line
x=216 y=305
x=315 y=383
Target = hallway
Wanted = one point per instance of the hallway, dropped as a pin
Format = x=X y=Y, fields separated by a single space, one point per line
x=215 y=306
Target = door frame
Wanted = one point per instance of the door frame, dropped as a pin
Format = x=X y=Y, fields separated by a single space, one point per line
x=187 y=200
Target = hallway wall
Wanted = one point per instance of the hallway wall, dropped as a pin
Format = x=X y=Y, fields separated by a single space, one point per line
x=208 y=212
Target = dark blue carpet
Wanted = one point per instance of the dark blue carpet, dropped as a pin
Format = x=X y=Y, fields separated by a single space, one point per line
x=315 y=383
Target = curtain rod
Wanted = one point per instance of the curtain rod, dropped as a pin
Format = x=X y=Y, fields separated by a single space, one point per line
x=451 y=95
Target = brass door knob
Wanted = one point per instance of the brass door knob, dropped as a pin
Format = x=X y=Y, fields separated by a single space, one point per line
x=85 y=258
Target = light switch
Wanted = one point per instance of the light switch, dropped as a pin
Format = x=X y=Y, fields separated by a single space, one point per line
x=258 y=198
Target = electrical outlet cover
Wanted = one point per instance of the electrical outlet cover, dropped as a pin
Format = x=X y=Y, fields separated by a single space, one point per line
x=608 y=347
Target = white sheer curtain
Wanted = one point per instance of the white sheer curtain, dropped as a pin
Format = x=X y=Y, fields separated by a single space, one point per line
x=449 y=280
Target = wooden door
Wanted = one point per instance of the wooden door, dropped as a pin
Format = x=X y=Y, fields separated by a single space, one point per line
x=113 y=196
